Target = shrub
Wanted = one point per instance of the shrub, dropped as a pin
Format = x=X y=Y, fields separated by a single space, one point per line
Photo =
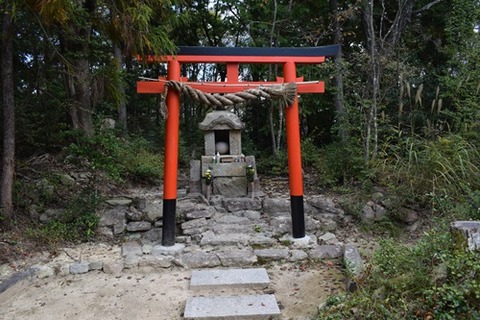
x=445 y=166
x=406 y=282
x=77 y=225
x=118 y=158
x=273 y=166
x=340 y=163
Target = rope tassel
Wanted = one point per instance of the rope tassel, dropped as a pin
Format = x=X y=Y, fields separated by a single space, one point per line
x=284 y=92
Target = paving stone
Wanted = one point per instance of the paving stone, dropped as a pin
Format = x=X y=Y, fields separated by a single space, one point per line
x=174 y=250
x=147 y=248
x=131 y=262
x=105 y=232
x=195 y=231
x=307 y=241
x=224 y=239
x=184 y=239
x=119 y=227
x=261 y=240
x=131 y=248
x=63 y=270
x=133 y=214
x=272 y=254
x=250 y=214
x=237 y=278
x=311 y=224
x=195 y=260
x=155 y=262
x=183 y=207
x=139 y=203
x=231 y=219
x=354 y=265
x=194 y=224
x=119 y=202
x=139 y=226
x=79 y=268
x=43 y=272
x=237 y=258
x=327 y=224
x=216 y=200
x=328 y=238
x=274 y=206
x=326 y=251
x=324 y=204
x=232 y=307
x=95 y=265
x=153 y=234
x=233 y=228
x=281 y=225
x=113 y=266
x=153 y=211
x=238 y=204
x=112 y=216
x=197 y=214
x=297 y=255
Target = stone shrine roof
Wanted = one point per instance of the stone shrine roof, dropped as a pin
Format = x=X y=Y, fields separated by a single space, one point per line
x=221 y=120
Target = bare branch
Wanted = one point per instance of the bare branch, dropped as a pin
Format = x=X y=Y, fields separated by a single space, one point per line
x=428 y=6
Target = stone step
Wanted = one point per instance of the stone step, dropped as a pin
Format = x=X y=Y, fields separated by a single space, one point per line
x=232 y=307
x=243 y=278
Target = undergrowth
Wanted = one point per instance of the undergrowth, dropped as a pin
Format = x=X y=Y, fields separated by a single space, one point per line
x=121 y=159
x=431 y=279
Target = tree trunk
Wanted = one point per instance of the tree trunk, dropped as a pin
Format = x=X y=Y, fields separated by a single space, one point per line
x=8 y=157
x=82 y=87
x=275 y=138
x=122 y=105
x=77 y=40
x=70 y=83
x=272 y=130
x=375 y=82
x=338 y=77
x=280 y=126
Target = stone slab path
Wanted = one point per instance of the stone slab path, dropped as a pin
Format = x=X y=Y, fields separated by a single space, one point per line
x=232 y=307
x=244 y=278
x=247 y=306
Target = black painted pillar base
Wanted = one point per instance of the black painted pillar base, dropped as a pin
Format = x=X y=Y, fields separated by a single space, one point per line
x=298 y=216
x=169 y=223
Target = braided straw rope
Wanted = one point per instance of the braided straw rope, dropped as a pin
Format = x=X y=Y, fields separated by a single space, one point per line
x=285 y=92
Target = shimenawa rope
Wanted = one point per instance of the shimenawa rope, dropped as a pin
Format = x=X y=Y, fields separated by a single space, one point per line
x=284 y=92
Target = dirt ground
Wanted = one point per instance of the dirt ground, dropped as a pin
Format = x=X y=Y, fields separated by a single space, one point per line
x=154 y=294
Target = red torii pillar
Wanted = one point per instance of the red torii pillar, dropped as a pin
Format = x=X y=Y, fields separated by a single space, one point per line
x=289 y=58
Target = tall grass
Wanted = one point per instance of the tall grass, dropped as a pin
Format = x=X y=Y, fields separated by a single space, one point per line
x=446 y=166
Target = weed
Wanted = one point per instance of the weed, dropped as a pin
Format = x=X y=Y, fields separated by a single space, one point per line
x=118 y=158
x=401 y=283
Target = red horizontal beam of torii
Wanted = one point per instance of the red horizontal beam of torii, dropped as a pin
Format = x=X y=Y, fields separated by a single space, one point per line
x=158 y=87
x=233 y=57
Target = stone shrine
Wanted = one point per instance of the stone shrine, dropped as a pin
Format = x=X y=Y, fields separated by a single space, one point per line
x=223 y=158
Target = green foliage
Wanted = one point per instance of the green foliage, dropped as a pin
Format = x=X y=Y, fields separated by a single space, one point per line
x=405 y=282
x=310 y=152
x=118 y=158
x=340 y=163
x=77 y=224
x=269 y=165
x=446 y=166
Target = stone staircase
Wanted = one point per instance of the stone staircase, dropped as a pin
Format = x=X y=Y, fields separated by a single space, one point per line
x=222 y=306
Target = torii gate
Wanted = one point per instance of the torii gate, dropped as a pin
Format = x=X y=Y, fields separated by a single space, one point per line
x=232 y=57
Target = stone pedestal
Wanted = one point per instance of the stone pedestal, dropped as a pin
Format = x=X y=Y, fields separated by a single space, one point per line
x=466 y=235
x=223 y=159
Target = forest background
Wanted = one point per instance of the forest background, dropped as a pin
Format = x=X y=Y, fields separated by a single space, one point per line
x=401 y=109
